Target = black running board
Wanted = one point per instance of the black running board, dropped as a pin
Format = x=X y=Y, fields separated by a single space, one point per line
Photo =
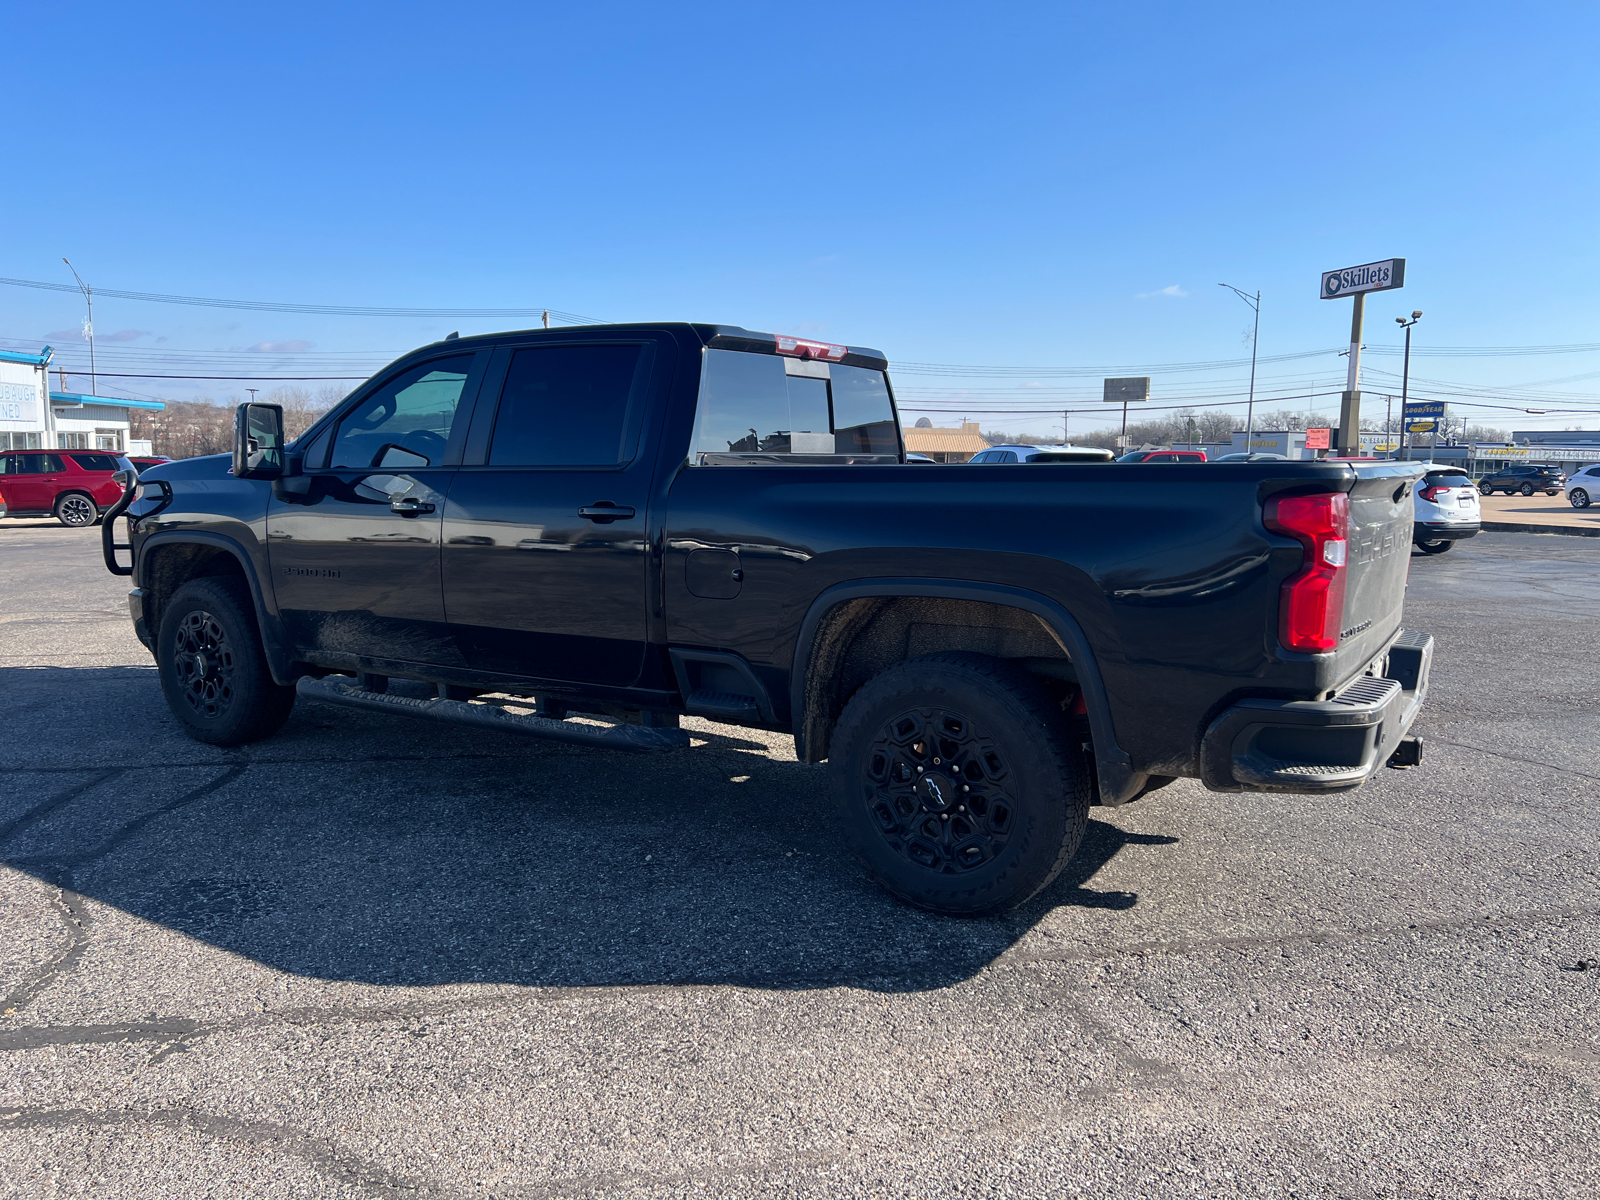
x=332 y=690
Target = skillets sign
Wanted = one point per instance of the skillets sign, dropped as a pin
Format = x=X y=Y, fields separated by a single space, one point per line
x=1371 y=277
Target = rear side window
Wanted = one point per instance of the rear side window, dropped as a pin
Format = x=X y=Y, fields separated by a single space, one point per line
x=406 y=423
x=770 y=405
x=95 y=462
x=568 y=406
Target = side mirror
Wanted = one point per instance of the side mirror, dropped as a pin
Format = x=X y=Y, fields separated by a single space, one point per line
x=258 y=441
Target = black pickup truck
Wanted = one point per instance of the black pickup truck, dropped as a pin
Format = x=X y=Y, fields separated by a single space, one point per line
x=586 y=533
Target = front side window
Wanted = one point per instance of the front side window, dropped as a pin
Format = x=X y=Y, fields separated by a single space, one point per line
x=568 y=406
x=406 y=423
x=31 y=464
x=769 y=405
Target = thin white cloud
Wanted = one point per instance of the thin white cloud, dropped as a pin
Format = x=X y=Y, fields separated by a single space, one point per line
x=292 y=347
x=1173 y=290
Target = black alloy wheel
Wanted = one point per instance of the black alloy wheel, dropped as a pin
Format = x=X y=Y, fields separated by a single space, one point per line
x=75 y=510
x=1579 y=498
x=213 y=669
x=956 y=785
x=203 y=660
x=1526 y=489
x=1435 y=547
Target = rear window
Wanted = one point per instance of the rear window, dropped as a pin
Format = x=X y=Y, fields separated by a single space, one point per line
x=96 y=462
x=780 y=408
x=567 y=406
x=1451 y=480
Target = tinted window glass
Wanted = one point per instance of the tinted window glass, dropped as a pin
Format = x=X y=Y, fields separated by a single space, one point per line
x=863 y=418
x=1006 y=456
x=750 y=404
x=33 y=464
x=405 y=423
x=96 y=462
x=566 y=406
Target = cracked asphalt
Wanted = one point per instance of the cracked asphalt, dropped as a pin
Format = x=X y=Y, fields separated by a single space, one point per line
x=379 y=958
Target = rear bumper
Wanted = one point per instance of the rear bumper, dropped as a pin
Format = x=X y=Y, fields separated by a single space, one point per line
x=1443 y=531
x=1320 y=745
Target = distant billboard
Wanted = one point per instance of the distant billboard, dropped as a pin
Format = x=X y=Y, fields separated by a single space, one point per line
x=1369 y=277
x=1424 y=409
x=1122 y=391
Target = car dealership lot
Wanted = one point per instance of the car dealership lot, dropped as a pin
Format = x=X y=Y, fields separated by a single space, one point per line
x=379 y=958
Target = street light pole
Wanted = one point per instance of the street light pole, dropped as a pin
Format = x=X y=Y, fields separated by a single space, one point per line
x=1405 y=377
x=1255 y=335
x=88 y=328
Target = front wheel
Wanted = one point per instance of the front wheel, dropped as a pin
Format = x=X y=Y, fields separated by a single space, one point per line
x=75 y=510
x=1526 y=489
x=213 y=669
x=956 y=784
x=1579 y=498
x=1436 y=547
x=1485 y=491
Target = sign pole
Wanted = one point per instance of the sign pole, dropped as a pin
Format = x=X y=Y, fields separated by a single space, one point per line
x=1350 y=402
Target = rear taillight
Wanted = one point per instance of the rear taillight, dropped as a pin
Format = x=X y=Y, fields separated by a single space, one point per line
x=1311 y=606
x=1432 y=494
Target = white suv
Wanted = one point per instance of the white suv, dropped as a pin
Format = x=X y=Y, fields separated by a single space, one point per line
x=1445 y=510
x=1583 y=487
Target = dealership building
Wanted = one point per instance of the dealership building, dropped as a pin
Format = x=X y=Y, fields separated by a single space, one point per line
x=32 y=417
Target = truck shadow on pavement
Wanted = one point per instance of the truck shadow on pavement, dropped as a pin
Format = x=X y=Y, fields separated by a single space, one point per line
x=361 y=848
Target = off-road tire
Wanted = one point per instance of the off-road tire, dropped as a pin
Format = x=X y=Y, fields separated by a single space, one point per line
x=76 y=510
x=1008 y=742
x=213 y=671
x=1579 y=498
x=1435 y=547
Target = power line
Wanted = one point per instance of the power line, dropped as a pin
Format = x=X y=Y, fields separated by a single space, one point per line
x=338 y=310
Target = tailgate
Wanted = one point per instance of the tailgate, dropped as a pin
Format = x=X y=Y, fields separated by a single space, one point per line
x=1381 y=518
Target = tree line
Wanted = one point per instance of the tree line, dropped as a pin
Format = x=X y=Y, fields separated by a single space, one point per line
x=190 y=428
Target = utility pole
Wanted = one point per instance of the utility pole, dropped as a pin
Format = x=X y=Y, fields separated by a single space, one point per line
x=1250 y=408
x=1405 y=373
x=252 y=392
x=547 y=318
x=1388 y=418
x=88 y=326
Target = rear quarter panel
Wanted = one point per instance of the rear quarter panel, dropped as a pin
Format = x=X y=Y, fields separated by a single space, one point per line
x=1167 y=567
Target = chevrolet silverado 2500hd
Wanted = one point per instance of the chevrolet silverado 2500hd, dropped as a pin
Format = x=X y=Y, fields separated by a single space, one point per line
x=636 y=522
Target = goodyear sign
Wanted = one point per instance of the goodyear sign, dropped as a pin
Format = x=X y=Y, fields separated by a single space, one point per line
x=1422 y=426
x=1370 y=277
x=1424 y=410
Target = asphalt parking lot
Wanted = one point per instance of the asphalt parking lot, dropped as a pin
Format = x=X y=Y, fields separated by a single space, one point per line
x=378 y=958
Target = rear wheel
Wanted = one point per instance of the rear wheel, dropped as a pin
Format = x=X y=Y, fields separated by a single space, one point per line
x=1579 y=498
x=1436 y=547
x=213 y=669
x=75 y=510
x=956 y=785
x=1485 y=491
x=1550 y=491
x=1526 y=489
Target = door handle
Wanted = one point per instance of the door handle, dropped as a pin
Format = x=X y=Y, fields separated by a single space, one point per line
x=410 y=506
x=605 y=512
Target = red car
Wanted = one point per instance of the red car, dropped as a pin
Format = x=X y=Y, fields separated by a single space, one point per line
x=1163 y=456
x=143 y=462
x=73 y=486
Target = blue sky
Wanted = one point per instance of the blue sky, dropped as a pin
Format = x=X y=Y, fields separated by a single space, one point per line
x=1027 y=186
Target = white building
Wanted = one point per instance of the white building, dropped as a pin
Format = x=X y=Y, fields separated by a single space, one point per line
x=32 y=417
